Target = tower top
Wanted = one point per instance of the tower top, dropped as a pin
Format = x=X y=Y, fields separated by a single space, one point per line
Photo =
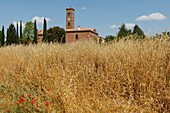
x=70 y=18
x=70 y=9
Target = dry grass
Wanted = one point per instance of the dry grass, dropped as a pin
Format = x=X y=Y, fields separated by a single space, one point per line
x=127 y=76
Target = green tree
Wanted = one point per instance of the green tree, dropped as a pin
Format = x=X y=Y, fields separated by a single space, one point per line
x=123 y=31
x=138 y=31
x=11 y=35
x=17 y=31
x=35 y=32
x=45 y=31
x=28 y=33
x=109 y=38
x=56 y=34
x=21 y=39
x=21 y=29
x=3 y=37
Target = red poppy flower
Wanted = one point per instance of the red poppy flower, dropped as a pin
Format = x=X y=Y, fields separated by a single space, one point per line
x=35 y=107
x=32 y=98
x=17 y=103
x=32 y=102
x=26 y=99
x=47 y=103
x=61 y=79
x=22 y=95
x=48 y=89
x=23 y=100
x=22 y=106
x=29 y=95
x=9 y=111
x=19 y=100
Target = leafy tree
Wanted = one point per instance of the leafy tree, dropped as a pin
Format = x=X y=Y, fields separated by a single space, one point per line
x=45 y=31
x=35 y=32
x=11 y=35
x=28 y=33
x=138 y=31
x=123 y=31
x=3 y=37
x=109 y=38
x=56 y=34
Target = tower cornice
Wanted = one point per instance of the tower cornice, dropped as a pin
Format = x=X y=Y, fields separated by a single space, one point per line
x=70 y=9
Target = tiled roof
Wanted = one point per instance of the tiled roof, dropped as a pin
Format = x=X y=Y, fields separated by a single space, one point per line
x=40 y=32
x=82 y=29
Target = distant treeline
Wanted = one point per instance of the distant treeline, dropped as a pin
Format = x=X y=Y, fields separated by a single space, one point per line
x=137 y=33
x=57 y=34
x=30 y=34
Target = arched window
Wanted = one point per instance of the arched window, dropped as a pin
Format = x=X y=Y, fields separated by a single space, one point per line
x=68 y=24
x=77 y=37
x=69 y=14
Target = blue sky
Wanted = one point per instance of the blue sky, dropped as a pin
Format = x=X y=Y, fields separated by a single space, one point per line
x=106 y=16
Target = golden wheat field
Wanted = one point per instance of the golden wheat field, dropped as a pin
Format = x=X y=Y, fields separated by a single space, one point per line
x=86 y=77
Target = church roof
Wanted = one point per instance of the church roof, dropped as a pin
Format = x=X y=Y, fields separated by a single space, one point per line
x=82 y=30
x=40 y=32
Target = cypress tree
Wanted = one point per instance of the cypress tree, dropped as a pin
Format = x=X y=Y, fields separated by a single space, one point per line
x=3 y=37
x=45 y=31
x=21 y=29
x=35 y=32
x=17 y=32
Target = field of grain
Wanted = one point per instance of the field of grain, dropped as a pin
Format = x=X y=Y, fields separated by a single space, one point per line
x=86 y=77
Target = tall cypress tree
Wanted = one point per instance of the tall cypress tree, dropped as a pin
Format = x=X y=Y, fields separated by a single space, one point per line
x=45 y=31
x=35 y=32
x=3 y=37
x=21 y=29
x=17 y=32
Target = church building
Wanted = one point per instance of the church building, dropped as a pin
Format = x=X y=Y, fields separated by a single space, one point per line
x=75 y=34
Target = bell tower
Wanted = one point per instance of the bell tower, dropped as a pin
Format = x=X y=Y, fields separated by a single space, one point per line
x=70 y=18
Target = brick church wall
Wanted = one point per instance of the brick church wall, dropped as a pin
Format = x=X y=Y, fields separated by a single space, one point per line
x=71 y=36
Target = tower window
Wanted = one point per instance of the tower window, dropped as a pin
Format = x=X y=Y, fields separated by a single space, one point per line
x=69 y=14
x=68 y=24
x=77 y=36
